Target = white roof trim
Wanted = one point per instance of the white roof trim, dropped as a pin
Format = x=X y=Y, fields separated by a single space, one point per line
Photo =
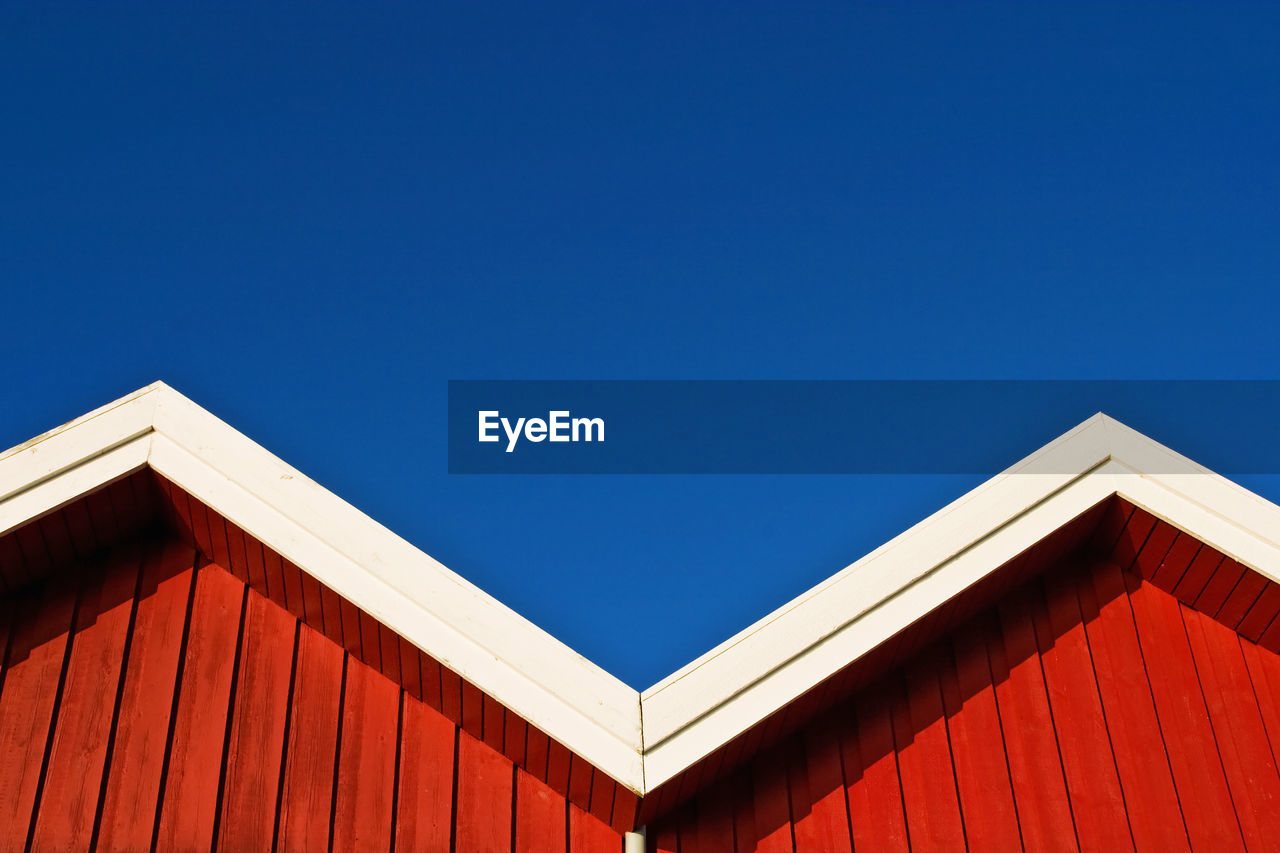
x=705 y=704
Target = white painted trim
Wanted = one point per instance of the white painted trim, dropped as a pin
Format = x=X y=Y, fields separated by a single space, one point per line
x=703 y=705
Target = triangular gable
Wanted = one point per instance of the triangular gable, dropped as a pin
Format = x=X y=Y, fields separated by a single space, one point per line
x=715 y=699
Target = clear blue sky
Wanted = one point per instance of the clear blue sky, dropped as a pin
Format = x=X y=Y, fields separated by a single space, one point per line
x=309 y=218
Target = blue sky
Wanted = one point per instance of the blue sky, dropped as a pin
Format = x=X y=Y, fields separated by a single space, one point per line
x=309 y=219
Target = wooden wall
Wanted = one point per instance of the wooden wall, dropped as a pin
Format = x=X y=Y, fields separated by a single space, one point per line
x=1126 y=698
x=150 y=699
x=169 y=683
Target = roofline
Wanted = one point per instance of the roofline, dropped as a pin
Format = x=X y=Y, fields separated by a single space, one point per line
x=703 y=705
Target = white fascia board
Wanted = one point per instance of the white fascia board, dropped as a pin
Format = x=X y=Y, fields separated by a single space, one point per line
x=61 y=465
x=716 y=697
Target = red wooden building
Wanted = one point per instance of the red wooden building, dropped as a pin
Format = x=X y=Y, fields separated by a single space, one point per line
x=203 y=649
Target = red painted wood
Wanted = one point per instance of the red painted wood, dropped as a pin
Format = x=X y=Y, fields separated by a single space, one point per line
x=102 y=516
x=57 y=540
x=485 y=797
x=350 y=619
x=602 y=792
x=307 y=794
x=13 y=565
x=429 y=673
x=133 y=783
x=36 y=560
x=1137 y=528
x=589 y=834
x=626 y=809
x=540 y=817
x=1155 y=550
x=1112 y=674
x=389 y=652
x=450 y=694
x=580 y=773
x=712 y=828
x=871 y=775
x=1193 y=755
x=770 y=804
x=977 y=746
x=42 y=619
x=472 y=720
x=410 y=668
x=1264 y=675
x=494 y=723
x=1176 y=562
x=1142 y=762
x=230 y=683
x=1238 y=728
x=665 y=838
x=318 y=598
x=1044 y=812
x=924 y=760
x=1084 y=741
x=367 y=761
x=1220 y=585
x=558 y=760
x=822 y=822
x=744 y=825
x=515 y=738
x=256 y=746
x=1197 y=576
x=370 y=641
x=190 y=795
x=1262 y=614
x=425 y=810
x=277 y=587
x=78 y=753
x=80 y=527
x=1242 y=599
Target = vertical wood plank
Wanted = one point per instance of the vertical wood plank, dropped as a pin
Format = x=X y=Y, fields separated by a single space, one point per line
x=1155 y=815
x=485 y=798
x=367 y=761
x=1238 y=727
x=79 y=748
x=425 y=811
x=712 y=831
x=1193 y=753
x=924 y=760
x=825 y=824
x=146 y=701
x=1220 y=586
x=307 y=794
x=1031 y=743
x=540 y=821
x=1198 y=574
x=589 y=834
x=256 y=746
x=871 y=774
x=977 y=745
x=33 y=666
x=190 y=792
x=1084 y=740
x=771 y=806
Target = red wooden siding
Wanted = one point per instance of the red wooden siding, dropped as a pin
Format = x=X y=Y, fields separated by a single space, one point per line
x=1116 y=687
x=1102 y=703
x=862 y=672
x=372 y=643
x=152 y=700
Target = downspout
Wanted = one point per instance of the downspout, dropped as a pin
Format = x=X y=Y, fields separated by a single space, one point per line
x=634 y=841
